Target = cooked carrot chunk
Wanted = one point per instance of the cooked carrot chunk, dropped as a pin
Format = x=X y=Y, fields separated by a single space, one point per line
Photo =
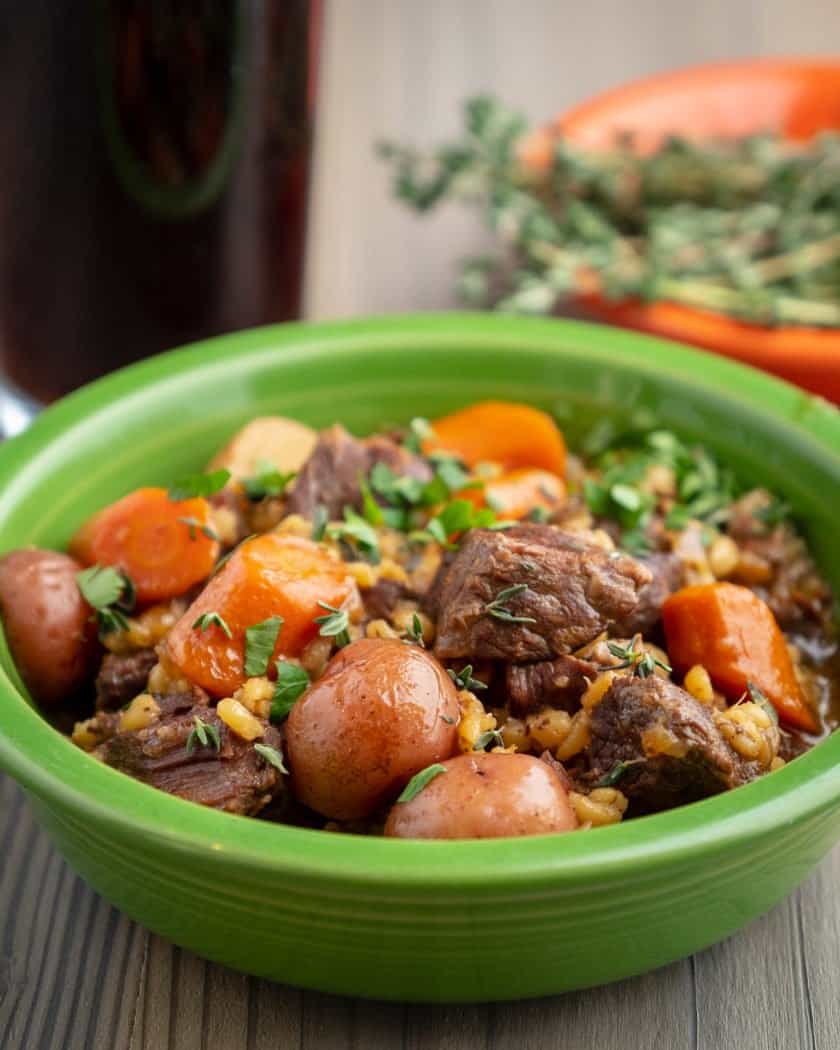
x=731 y=632
x=164 y=546
x=270 y=575
x=519 y=492
x=502 y=432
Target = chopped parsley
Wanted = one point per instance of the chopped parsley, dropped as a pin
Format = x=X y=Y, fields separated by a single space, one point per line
x=199 y=485
x=204 y=734
x=413 y=788
x=260 y=640
x=336 y=624
x=359 y=533
x=195 y=526
x=464 y=679
x=703 y=490
x=419 y=430
x=498 y=607
x=110 y=593
x=272 y=756
x=210 y=619
x=292 y=683
x=266 y=482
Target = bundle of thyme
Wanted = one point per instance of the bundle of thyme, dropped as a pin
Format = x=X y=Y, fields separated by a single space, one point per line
x=748 y=228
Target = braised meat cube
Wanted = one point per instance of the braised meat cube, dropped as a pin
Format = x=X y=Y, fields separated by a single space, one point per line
x=531 y=593
x=665 y=745
x=667 y=573
x=122 y=676
x=330 y=477
x=550 y=683
x=234 y=778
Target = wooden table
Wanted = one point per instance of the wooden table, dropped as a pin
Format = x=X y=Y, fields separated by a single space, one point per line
x=74 y=973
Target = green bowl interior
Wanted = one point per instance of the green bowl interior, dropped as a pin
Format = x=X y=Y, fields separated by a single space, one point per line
x=166 y=416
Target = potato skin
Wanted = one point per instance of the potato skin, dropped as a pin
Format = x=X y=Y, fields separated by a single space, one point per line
x=47 y=623
x=382 y=711
x=486 y=795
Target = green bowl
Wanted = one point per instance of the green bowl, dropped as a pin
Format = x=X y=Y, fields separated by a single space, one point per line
x=498 y=919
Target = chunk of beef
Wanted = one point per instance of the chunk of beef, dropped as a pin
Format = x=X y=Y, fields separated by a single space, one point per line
x=381 y=599
x=550 y=683
x=776 y=564
x=674 y=752
x=330 y=477
x=122 y=676
x=667 y=573
x=573 y=591
x=235 y=779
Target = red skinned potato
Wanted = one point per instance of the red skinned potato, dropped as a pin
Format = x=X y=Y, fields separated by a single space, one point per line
x=382 y=711
x=48 y=624
x=484 y=796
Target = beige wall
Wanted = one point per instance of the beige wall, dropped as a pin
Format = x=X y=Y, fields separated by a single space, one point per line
x=400 y=68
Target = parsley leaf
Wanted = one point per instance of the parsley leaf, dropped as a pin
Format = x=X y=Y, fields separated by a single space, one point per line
x=292 y=683
x=199 y=485
x=260 y=640
x=419 y=430
x=204 y=734
x=272 y=756
x=360 y=532
x=110 y=593
x=336 y=624
x=420 y=780
x=266 y=482
x=209 y=619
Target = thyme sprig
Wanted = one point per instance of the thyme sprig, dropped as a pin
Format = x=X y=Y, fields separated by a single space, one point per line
x=643 y=662
x=749 y=228
x=498 y=606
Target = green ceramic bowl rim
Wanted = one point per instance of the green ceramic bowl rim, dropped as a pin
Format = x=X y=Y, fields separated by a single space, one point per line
x=805 y=787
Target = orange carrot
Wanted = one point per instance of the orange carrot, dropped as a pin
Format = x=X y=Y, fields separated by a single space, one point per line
x=503 y=432
x=734 y=635
x=157 y=542
x=517 y=493
x=270 y=575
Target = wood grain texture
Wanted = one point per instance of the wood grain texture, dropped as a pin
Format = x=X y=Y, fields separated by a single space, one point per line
x=77 y=975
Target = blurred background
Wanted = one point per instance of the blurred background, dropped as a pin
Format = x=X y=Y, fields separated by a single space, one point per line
x=172 y=169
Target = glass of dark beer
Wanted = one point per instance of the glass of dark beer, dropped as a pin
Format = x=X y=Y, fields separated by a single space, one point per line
x=153 y=178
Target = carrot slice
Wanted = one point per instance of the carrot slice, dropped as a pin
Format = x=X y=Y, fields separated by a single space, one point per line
x=502 y=432
x=734 y=635
x=156 y=541
x=270 y=575
x=515 y=494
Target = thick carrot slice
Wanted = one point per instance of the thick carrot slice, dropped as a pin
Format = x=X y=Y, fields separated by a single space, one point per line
x=158 y=542
x=517 y=493
x=734 y=635
x=502 y=432
x=270 y=575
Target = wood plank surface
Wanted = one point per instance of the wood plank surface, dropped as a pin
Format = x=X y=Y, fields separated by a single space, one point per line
x=77 y=975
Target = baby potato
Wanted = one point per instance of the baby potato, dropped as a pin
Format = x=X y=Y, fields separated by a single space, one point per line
x=47 y=623
x=284 y=443
x=485 y=795
x=382 y=711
